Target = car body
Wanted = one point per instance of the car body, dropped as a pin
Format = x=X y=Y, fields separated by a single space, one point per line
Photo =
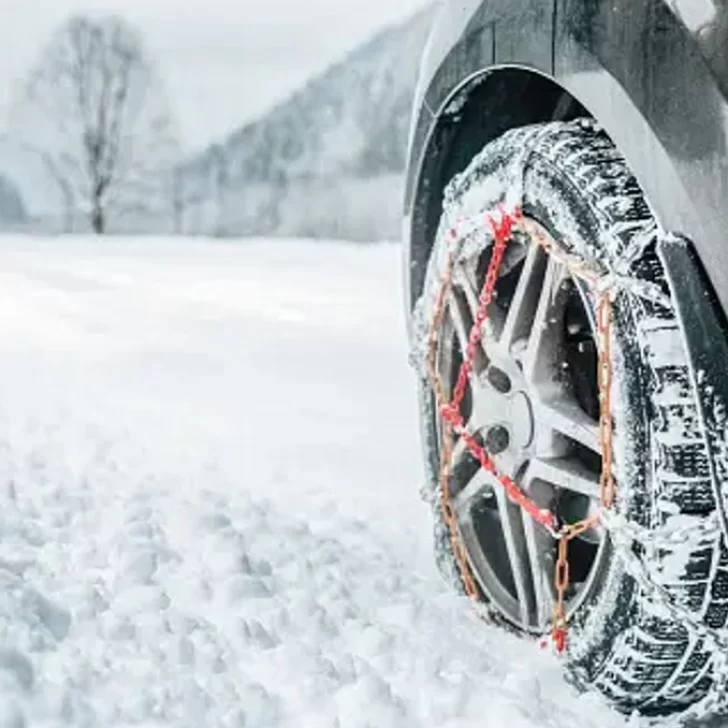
x=654 y=75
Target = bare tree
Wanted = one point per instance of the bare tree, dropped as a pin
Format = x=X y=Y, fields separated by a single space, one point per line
x=95 y=107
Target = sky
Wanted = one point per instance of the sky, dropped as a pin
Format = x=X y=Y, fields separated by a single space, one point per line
x=224 y=61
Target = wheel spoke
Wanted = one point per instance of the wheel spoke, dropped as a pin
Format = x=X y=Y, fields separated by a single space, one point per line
x=522 y=308
x=478 y=485
x=540 y=547
x=464 y=278
x=484 y=570
x=565 y=473
x=518 y=554
x=566 y=417
x=540 y=359
x=459 y=321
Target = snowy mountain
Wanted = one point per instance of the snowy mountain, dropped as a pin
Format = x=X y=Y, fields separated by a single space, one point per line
x=328 y=162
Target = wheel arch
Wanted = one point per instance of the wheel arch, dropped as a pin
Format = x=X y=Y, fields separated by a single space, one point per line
x=480 y=109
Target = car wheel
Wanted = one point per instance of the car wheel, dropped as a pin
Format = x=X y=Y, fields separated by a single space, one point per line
x=643 y=639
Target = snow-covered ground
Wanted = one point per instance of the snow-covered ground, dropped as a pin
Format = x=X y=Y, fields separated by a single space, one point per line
x=209 y=510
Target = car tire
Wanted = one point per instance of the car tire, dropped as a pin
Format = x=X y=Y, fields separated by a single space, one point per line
x=631 y=639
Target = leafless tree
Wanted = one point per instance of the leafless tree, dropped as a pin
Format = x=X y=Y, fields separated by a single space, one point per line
x=95 y=107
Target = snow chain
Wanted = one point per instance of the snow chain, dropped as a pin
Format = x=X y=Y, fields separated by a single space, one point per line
x=503 y=225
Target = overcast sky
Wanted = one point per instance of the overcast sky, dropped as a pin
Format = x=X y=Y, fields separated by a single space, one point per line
x=225 y=61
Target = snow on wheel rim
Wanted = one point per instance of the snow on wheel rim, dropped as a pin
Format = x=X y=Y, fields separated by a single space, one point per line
x=532 y=401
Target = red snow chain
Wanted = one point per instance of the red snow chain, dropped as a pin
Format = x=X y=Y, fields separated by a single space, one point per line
x=502 y=227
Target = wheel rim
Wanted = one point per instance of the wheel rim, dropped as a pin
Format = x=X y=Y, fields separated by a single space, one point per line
x=532 y=400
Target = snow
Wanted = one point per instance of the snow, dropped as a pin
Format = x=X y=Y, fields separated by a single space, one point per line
x=209 y=508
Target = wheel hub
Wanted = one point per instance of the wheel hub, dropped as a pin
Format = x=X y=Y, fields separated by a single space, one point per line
x=502 y=402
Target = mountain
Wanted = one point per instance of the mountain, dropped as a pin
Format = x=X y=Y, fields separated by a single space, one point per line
x=328 y=162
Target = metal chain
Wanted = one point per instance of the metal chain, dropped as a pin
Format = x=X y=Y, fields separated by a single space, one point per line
x=625 y=534
x=447 y=436
x=502 y=227
x=692 y=533
x=660 y=598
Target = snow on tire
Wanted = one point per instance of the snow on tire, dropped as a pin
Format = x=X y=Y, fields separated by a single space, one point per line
x=649 y=635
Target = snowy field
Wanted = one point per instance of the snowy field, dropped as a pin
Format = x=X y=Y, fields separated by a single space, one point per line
x=209 y=510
